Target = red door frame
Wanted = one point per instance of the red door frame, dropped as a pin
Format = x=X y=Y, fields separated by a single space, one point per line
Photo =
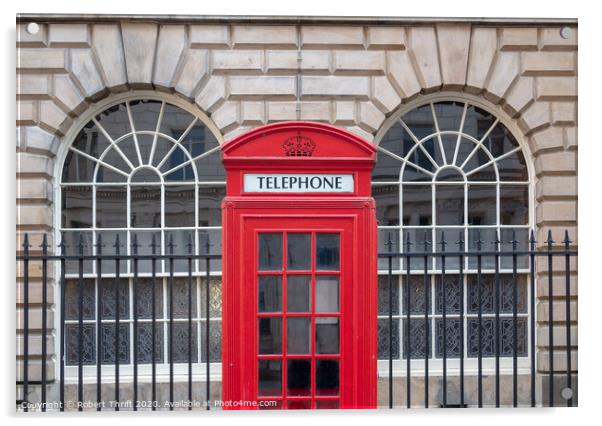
x=337 y=151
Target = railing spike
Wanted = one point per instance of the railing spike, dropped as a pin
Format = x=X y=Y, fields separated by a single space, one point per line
x=135 y=244
x=443 y=243
x=153 y=244
x=190 y=245
x=80 y=245
x=514 y=241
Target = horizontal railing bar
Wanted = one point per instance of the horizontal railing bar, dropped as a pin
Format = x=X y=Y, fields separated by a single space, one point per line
x=448 y=254
x=121 y=257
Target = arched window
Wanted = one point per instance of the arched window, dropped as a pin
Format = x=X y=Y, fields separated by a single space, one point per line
x=451 y=169
x=144 y=171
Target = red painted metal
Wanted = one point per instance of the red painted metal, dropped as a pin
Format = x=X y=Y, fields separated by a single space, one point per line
x=299 y=147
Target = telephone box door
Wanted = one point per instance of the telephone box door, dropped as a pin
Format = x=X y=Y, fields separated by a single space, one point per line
x=301 y=325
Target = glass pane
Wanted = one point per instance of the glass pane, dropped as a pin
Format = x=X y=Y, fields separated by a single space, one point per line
x=297 y=293
x=215 y=341
x=145 y=144
x=327 y=335
x=488 y=333
x=269 y=293
x=418 y=290
x=215 y=297
x=487 y=236
x=327 y=252
x=145 y=114
x=450 y=204
x=179 y=205
x=116 y=159
x=387 y=168
x=421 y=240
x=464 y=150
x=514 y=204
x=180 y=242
x=77 y=168
x=477 y=159
x=210 y=208
x=270 y=335
x=270 y=377
x=383 y=338
x=270 y=251
x=420 y=121
x=145 y=247
x=383 y=294
x=298 y=251
x=482 y=205
x=513 y=167
x=413 y=174
x=327 y=294
x=453 y=338
x=298 y=377
x=72 y=291
x=452 y=237
x=488 y=293
x=111 y=207
x=181 y=340
x=88 y=351
x=210 y=168
x=500 y=141
x=145 y=298
x=110 y=299
x=417 y=202
x=145 y=175
x=145 y=343
x=145 y=207
x=77 y=207
x=434 y=149
x=107 y=340
x=298 y=333
x=477 y=121
x=183 y=296
x=521 y=236
x=300 y=404
x=420 y=337
x=452 y=299
x=327 y=377
x=109 y=247
x=107 y=175
x=387 y=204
x=384 y=236
x=327 y=404
x=449 y=114
x=449 y=174
x=449 y=146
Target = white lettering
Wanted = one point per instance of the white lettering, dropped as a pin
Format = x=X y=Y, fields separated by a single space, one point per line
x=302 y=183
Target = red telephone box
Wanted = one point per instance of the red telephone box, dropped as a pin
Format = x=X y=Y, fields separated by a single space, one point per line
x=299 y=269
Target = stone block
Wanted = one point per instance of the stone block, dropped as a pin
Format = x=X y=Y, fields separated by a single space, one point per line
x=518 y=38
x=331 y=36
x=335 y=86
x=370 y=117
x=556 y=211
x=402 y=75
x=536 y=116
x=171 y=44
x=194 y=72
x=454 y=43
x=227 y=116
x=209 y=36
x=33 y=86
x=30 y=164
x=422 y=43
x=548 y=138
x=68 y=35
x=556 y=187
x=213 y=94
x=37 y=139
x=344 y=113
x=556 y=88
x=39 y=39
x=252 y=113
x=359 y=62
x=556 y=162
x=39 y=215
x=520 y=96
x=263 y=86
x=27 y=112
x=281 y=111
x=108 y=47
x=67 y=96
x=550 y=39
x=504 y=74
x=389 y=38
x=53 y=118
x=85 y=72
x=37 y=60
x=237 y=61
x=483 y=46
x=549 y=63
x=384 y=95
x=316 y=111
x=139 y=43
x=564 y=113
x=276 y=36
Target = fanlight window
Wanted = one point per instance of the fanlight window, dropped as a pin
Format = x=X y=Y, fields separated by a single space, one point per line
x=149 y=172
x=451 y=169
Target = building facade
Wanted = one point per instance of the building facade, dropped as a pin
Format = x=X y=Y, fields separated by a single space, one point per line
x=120 y=120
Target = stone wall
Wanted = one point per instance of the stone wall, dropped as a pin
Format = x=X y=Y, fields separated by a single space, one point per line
x=350 y=75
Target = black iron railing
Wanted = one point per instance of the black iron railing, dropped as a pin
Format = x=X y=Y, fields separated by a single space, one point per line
x=412 y=261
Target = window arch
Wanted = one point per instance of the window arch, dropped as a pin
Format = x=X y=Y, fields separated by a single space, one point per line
x=142 y=170
x=450 y=168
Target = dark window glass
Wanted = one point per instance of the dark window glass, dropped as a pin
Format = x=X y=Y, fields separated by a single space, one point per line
x=387 y=204
x=298 y=333
x=327 y=335
x=298 y=295
x=270 y=377
x=269 y=293
x=179 y=205
x=514 y=204
x=327 y=294
x=482 y=207
x=298 y=381
x=327 y=252
x=270 y=251
x=210 y=208
x=270 y=335
x=145 y=207
x=450 y=204
x=327 y=377
x=417 y=208
x=76 y=206
x=111 y=207
x=298 y=251
x=449 y=115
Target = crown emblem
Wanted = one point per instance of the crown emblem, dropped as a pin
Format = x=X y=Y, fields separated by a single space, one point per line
x=298 y=146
